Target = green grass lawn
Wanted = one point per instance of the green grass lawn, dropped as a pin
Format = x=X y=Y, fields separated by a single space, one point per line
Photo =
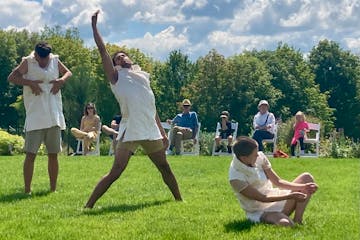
x=140 y=206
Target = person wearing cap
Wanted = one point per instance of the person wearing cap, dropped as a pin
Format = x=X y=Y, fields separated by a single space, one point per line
x=264 y=123
x=39 y=74
x=185 y=127
x=225 y=132
x=140 y=124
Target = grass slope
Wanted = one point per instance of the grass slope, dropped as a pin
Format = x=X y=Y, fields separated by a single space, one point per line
x=139 y=205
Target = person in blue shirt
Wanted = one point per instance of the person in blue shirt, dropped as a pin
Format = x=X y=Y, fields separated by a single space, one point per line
x=185 y=127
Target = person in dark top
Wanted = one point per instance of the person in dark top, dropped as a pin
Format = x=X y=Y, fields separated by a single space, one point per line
x=225 y=132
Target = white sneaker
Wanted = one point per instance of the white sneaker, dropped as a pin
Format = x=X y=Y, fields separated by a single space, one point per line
x=169 y=152
x=302 y=152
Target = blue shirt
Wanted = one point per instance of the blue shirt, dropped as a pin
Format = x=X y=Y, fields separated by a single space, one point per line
x=188 y=120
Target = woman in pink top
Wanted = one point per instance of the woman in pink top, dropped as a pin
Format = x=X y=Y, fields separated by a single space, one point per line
x=301 y=127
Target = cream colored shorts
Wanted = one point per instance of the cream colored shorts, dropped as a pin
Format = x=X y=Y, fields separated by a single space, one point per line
x=149 y=146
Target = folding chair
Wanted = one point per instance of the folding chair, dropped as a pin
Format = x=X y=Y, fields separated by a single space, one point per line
x=95 y=152
x=167 y=127
x=188 y=147
x=234 y=126
x=314 y=140
x=272 y=141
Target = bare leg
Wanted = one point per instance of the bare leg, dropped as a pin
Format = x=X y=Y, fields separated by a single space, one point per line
x=298 y=207
x=277 y=218
x=28 y=170
x=122 y=157
x=217 y=140
x=53 y=170
x=159 y=159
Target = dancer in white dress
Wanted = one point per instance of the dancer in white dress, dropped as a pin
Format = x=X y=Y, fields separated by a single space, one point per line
x=252 y=180
x=140 y=124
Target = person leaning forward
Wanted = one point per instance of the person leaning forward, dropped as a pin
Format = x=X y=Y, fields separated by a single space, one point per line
x=185 y=127
x=39 y=73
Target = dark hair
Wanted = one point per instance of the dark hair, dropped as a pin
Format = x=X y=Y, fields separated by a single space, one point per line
x=89 y=105
x=244 y=146
x=116 y=53
x=43 y=49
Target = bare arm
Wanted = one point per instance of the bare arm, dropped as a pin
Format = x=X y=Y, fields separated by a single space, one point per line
x=308 y=188
x=57 y=83
x=110 y=71
x=16 y=77
x=252 y=193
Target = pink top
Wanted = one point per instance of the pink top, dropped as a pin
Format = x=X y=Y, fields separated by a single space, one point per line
x=299 y=131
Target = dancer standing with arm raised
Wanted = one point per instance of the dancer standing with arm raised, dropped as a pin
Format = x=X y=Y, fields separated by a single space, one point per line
x=140 y=124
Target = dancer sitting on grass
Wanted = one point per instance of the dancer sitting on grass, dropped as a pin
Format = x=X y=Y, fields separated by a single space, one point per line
x=252 y=180
x=140 y=124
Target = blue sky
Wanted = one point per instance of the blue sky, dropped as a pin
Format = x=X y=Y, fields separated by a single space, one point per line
x=195 y=27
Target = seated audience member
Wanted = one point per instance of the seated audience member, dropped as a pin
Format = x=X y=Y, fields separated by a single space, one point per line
x=264 y=123
x=262 y=194
x=89 y=127
x=185 y=127
x=225 y=132
x=112 y=131
x=301 y=127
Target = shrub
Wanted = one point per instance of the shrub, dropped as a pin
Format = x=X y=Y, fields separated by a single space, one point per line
x=206 y=143
x=10 y=144
x=340 y=146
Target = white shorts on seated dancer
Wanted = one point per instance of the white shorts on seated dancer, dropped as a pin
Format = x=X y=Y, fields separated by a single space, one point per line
x=275 y=207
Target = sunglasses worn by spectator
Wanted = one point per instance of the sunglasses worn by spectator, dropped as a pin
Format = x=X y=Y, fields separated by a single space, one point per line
x=185 y=106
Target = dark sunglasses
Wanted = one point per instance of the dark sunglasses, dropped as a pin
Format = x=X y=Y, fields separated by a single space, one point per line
x=185 y=106
x=89 y=108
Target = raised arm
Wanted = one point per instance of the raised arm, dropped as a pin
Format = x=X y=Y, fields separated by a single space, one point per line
x=110 y=71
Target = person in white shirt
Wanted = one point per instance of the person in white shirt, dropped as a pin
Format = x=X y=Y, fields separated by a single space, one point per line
x=252 y=178
x=264 y=123
x=38 y=73
x=140 y=124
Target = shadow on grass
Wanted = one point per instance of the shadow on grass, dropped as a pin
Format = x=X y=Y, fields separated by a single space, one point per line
x=123 y=208
x=18 y=196
x=239 y=225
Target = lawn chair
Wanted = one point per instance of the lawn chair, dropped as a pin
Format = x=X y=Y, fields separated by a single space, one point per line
x=314 y=139
x=272 y=141
x=188 y=147
x=95 y=151
x=234 y=126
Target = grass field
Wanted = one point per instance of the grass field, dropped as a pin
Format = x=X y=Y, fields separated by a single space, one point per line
x=139 y=205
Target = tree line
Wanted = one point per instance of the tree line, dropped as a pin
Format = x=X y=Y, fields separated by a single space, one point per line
x=325 y=84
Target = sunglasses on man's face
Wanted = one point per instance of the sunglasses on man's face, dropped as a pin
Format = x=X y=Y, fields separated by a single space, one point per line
x=186 y=106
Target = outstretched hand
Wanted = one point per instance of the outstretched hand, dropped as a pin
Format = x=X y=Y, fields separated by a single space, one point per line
x=94 y=18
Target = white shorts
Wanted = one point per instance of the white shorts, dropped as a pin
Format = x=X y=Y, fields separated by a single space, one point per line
x=273 y=207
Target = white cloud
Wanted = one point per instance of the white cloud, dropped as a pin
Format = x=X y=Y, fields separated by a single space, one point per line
x=16 y=14
x=196 y=26
x=160 y=44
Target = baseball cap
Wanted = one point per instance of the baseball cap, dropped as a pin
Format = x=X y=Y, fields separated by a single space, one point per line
x=186 y=102
x=263 y=102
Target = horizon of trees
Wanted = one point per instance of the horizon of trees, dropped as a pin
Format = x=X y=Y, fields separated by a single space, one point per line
x=325 y=86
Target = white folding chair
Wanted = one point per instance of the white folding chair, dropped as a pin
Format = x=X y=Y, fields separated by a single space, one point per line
x=234 y=126
x=188 y=147
x=95 y=151
x=272 y=141
x=167 y=127
x=314 y=140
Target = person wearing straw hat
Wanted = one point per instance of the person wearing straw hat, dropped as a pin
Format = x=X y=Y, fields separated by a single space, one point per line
x=185 y=127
